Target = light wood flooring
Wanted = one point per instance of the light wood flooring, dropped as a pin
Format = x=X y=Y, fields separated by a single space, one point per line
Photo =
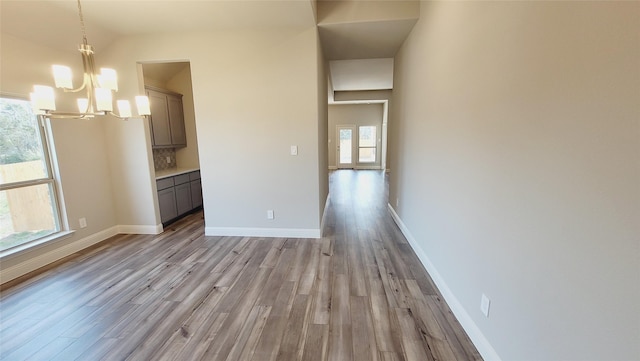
x=360 y=293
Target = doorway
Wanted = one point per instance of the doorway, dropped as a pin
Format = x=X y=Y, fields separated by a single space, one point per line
x=363 y=142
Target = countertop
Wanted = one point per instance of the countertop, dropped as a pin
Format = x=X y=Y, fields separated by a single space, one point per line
x=173 y=172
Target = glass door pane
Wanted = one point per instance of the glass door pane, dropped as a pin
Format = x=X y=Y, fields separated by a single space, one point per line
x=367 y=144
x=346 y=146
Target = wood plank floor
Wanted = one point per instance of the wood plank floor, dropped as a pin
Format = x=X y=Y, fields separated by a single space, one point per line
x=360 y=293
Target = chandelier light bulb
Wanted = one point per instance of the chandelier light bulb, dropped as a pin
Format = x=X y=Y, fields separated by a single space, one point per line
x=124 y=108
x=104 y=101
x=62 y=76
x=42 y=98
x=108 y=78
x=142 y=103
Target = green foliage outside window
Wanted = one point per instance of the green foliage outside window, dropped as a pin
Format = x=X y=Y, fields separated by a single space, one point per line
x=19 y=140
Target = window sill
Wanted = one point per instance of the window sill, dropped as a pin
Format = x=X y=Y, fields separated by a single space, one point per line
x=30 y=246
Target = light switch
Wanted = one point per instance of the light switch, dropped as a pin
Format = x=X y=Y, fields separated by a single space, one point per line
x=294 y=150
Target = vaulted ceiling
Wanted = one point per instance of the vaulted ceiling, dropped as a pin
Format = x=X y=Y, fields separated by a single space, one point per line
x=349 y=29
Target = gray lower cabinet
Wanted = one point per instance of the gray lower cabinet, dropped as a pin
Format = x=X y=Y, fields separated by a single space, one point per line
x=179 y=195
x=196 y=189
x=183 y=198
x=167 y=199
x=196 y=193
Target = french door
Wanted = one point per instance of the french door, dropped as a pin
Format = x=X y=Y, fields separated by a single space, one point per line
x=346 y=146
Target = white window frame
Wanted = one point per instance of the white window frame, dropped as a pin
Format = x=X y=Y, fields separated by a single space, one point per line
x=61 y=224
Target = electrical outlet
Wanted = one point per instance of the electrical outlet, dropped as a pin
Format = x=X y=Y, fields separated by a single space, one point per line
x=485 y=302
x=294 y=150
x=270 y=214
x=168 y=160
x=83 y=222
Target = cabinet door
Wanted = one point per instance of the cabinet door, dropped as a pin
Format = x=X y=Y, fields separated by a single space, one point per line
x=160 y=128
x=176 y=120
x=196 y=193
x=167 y=203
x=183 y=198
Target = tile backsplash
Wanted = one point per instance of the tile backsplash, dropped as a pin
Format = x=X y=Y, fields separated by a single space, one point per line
x=160 y=156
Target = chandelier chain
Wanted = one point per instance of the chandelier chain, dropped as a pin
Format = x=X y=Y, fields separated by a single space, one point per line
x=84 y=32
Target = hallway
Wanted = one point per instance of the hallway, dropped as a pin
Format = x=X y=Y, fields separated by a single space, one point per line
x=359 y=293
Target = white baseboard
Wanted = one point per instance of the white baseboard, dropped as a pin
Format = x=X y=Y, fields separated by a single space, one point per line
x=324 y=215
x=44 y=259
x=140 y=229
x=367 y=167
x=263 y=232
x=332 y=167
x=475 y=334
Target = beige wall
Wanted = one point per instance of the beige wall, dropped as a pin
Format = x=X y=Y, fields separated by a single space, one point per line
x=357 y=115
x=248 y=113
x=323 y=134
x=517 y=130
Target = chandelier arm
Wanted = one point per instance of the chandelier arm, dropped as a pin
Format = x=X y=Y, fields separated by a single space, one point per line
x=69 y=115
x=118 y=116
x=86 y=78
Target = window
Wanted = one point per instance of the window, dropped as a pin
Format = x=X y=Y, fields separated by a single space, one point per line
x=367 y=144
x=28 y=204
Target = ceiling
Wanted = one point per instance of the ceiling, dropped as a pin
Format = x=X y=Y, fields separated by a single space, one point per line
x=55 y=22
x=163 y=72
x=349 y=29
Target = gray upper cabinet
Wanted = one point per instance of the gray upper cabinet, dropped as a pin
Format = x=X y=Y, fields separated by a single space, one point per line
x=176 y=116
x=167 y=118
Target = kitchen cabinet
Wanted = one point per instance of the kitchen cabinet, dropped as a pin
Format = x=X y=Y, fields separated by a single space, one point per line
x=196 y=189
x=166 y=119
x=167 y=199
x=178 y=195
x=183 y=193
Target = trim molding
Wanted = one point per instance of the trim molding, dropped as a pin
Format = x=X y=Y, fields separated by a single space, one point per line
x=140 y=229
x=479 y=340
x=263 y=232
x=44 y=259
x=332 y=167
x=40 y=260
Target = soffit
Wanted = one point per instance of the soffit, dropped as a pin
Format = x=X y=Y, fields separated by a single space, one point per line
x=369 y=74
x=373 y=39
x=360 y=31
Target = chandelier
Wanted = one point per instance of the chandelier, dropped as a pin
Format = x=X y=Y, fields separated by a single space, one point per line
x=99 y=88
